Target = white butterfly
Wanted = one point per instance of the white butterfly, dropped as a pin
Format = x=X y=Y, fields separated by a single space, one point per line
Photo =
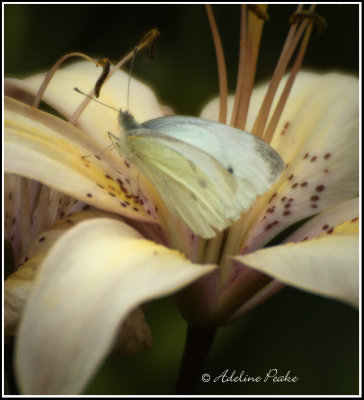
x=207 y=173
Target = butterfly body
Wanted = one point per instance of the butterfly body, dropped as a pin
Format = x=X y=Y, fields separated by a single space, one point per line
x=207 y=173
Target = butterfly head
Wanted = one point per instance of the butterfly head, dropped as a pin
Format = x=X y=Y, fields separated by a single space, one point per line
x=127 y=121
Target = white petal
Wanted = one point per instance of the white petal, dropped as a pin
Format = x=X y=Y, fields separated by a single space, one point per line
x=327 y=266
x=93 y=277
x=318 y=138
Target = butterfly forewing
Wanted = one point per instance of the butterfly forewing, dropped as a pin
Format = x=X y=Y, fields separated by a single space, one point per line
x=247 y=157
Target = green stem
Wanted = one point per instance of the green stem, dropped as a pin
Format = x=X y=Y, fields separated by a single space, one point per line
x=197 y=346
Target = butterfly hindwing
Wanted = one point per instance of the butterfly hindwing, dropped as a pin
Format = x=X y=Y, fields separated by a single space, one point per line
x=191 y=182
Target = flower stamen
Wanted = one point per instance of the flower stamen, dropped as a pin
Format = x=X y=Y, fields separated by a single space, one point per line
x=221 y=65
x=307 y=14
x=268 y=134
x=250 y=36
x=49 y=76
x=293 y=38
x=149 y=40
x=258 y=11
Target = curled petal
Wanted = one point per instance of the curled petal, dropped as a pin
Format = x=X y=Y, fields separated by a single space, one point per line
x=19 y=284
x=330 y=221
x=328 y=265
x=93 y=277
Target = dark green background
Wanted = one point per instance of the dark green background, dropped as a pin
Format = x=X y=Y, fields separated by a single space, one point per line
x=315 y=338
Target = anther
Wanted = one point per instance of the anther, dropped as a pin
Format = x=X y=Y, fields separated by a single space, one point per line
x=105 y=64
x=254 y=8
x=306 y=14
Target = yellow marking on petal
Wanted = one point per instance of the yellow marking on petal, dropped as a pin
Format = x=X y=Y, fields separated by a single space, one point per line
x=348 y=227
x=37 y=147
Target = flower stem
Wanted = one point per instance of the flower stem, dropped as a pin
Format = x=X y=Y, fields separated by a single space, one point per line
x=197 y=346
x=8 y=366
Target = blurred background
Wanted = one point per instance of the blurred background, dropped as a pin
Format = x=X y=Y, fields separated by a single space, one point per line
x=315 y=338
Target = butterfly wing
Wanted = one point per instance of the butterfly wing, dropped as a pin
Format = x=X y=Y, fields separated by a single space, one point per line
x=249 y=159
x=192 y=183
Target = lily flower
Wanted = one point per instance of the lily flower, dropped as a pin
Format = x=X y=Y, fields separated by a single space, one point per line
x=82 y=270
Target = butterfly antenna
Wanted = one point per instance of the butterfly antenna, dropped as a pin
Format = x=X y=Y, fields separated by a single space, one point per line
x=93 y=99
x=131 y=67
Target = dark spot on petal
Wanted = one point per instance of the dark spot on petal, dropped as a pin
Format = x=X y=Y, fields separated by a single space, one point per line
x=305 y=238
x=42 y=239
x=290 y=177
x=108 y=177
x=314 y=158
x=320 y=188
x=315 y=198
x=111 y=194
x=269 y=226
x=327 y=156
x=325 y=227
x=304 y=184
x=330 y=231
x=306 y=155
x=135 y=209
x=354 y=219
x=89 y=195
x=283 y=198
x=98 y=157
x=230 y=170
x=288 y=205
x=287 y=213
x=294 y=185
x=85 y=207
x=127 y=164
x=273 y=196
x=313 y=205
x=100 y=186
